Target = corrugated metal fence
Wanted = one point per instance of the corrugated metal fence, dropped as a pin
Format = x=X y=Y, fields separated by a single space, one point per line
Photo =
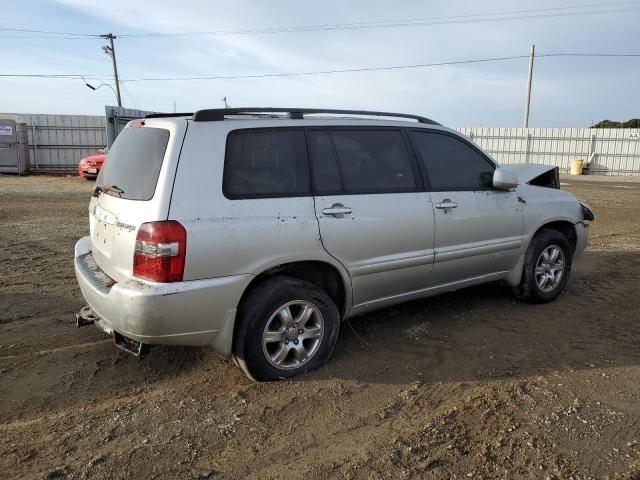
x=611 y=151
x=118 y=117
x=58 y=142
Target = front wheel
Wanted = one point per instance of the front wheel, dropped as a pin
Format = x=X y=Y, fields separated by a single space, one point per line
x=547 y=267
x=286 y=326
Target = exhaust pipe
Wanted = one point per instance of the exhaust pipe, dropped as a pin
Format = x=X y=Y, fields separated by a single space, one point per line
x=130 y=345
x=86 y=316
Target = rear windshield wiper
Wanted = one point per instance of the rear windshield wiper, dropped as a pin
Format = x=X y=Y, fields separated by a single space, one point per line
x=107 y=189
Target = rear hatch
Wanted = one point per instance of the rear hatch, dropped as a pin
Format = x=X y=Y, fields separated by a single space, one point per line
x=133 y=187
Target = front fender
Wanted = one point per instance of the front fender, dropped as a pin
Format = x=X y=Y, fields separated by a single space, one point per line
x=544 y=206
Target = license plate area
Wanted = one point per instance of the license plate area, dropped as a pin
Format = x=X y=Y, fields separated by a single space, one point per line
x=103 y=230
x=92 y=170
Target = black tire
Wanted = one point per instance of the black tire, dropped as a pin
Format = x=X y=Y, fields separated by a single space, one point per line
x=529 y=290
x=257 y=309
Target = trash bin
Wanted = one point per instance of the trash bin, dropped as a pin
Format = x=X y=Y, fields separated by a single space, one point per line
x=576 y=167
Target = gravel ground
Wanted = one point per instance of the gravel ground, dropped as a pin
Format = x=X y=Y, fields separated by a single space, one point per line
x=471 y=384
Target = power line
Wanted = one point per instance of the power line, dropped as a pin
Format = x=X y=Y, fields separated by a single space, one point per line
x=40 y=37
x=466 y=19
x=370 y=69
x=24 y=30
x=568 y=7
x=601 y=8
x=589 y=55
x=72 y=76
x=130 y=95
x=325 y=72
x=262 y=75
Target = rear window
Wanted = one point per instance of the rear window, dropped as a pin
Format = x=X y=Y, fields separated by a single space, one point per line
x=270 y=163
x=133 y=163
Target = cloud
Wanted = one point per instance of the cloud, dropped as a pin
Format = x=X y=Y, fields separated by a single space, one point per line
x=487 y=94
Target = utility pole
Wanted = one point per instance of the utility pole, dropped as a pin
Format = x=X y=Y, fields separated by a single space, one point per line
x=111 y=51
x=532 y=55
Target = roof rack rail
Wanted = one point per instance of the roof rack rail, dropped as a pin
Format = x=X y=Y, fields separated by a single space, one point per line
x=168 y=115
x=218 y=114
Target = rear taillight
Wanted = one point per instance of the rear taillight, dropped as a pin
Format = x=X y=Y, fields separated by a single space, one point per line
x=160 y=251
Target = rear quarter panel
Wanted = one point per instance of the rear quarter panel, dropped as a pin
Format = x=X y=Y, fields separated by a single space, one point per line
x=232 y=237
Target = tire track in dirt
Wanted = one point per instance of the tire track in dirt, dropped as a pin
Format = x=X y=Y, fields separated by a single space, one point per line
x=470 y=382
x=54 y=350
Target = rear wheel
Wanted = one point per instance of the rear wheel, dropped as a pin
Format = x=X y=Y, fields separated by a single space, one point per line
x=547 y=267
x=286 y=326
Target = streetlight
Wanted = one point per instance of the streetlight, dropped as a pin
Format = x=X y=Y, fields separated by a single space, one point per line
x=102 y=84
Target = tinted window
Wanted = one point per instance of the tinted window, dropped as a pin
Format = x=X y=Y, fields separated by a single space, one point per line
x=326 y=176
x=450 y=163
x=373 y=160
x=134 y=161
x=266 y=163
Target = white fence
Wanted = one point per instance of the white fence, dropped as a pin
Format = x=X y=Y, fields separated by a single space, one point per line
x=610 y=151
x=58 y=142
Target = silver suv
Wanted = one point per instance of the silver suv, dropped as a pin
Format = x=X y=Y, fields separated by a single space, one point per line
x=258 y=230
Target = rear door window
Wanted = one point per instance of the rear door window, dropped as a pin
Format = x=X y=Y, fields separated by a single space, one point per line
x=133 y=163
x=268 y=163
x=373 y=161
x=324 y=166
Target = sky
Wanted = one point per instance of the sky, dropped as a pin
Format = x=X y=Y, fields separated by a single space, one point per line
x=567 y=91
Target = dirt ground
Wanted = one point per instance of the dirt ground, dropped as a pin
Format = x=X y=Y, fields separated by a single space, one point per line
x=472 y=384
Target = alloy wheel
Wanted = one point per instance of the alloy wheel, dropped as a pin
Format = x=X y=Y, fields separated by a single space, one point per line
x=293 y=335
x=549 y=268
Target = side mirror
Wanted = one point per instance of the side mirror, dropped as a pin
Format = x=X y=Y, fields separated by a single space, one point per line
x=504 y=179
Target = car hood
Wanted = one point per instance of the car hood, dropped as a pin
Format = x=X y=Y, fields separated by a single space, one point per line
x=527 y=171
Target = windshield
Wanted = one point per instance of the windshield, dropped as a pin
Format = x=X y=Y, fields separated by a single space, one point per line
x=133 y=163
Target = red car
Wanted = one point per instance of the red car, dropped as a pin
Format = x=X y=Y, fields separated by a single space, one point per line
x=90 y=166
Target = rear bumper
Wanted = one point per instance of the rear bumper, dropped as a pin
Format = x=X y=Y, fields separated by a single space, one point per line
x=582 y=237
x=199 y=312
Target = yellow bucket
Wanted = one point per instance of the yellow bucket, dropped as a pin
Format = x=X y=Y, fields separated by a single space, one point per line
x=576 y=167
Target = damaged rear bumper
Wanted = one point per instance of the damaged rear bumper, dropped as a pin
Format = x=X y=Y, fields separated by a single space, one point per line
x=86 y=316
x=199 y=312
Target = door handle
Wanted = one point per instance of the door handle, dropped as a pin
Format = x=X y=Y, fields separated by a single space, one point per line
x=446 y=204
x=336 y=210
